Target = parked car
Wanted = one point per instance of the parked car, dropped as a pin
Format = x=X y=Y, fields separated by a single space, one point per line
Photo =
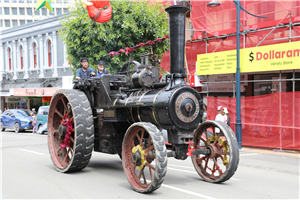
x=18 y=119
x=42 y=118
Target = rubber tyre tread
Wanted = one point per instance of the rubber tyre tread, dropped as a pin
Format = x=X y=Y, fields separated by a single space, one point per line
x=161 y=156
x=84 y=129
x=233 y=149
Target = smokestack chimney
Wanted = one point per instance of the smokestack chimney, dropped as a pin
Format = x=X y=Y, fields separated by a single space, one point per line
x=177 y=38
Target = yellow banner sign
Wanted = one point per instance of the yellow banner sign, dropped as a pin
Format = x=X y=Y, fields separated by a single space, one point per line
x=284 y=56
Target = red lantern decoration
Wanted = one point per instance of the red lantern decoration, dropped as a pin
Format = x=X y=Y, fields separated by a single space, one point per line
x=94 y=11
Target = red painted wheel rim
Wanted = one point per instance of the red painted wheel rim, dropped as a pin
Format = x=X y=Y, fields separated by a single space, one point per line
x=211 y=166
x=139 y=179
x=61 y=156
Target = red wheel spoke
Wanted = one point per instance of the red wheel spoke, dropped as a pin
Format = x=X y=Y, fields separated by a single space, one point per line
x=213 y=169
x=137 y=135
x=218 y=168
x=149 y=149
x=132 y=143
x=58 y=150
x=145 y=182
x=217 y=138
x=72 y=140
x=141 y=172
x=65 y=106
x=57 y=112
x=214 y=133
x=71 y=119
x=150 y=173
x=205 y=166
x=67 y=154
x=206 y=134
x=142 y=136
x=134 y=166
x=150 y=166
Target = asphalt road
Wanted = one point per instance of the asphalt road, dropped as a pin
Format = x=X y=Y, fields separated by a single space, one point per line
x=28 y=173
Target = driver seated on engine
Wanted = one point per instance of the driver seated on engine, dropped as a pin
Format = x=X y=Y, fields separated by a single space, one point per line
x=85 y=71
x=101 y=70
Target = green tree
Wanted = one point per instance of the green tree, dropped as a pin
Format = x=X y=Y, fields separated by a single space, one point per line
x=132 y=22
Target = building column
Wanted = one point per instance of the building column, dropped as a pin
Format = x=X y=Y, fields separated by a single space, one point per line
x=65 y=56
x=54 y=54
x=2 y=60
x=41 y=56
x=25 y=58
x=14 y=64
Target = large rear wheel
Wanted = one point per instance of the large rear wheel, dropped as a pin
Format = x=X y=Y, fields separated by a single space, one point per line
x=70 y=130
x=223 y=160
x=144 y=157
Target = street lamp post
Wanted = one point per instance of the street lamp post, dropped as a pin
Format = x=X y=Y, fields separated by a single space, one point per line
x=238 y=124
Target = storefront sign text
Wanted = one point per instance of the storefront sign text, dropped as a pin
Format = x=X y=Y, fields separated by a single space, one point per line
x=284 y=56
x=35 y=92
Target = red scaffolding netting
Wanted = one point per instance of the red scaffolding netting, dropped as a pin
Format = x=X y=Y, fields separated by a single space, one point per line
x=222 y=20
x=271 y=120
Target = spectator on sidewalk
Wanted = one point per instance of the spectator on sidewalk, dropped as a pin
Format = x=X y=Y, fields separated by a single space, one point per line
x=204 y=117
x=228 y=117
x=221 y=117
x=34 y=121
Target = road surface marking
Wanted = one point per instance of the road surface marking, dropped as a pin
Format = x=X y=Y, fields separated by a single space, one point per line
x=250 y=154
x=32 y=152
x=188 y=192
x=180 y=170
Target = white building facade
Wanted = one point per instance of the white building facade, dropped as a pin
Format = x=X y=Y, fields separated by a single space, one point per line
x=19 y=12
x=32 y=56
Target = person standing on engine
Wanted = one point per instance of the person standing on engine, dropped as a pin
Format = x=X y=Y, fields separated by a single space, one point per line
x=101 y=70
x=85 y=71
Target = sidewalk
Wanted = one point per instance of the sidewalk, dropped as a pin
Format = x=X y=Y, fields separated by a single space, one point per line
x=272 y=151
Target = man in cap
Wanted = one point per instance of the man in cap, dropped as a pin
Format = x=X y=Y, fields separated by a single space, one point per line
x=33 y=110
x=101 y=70
x=85 y=71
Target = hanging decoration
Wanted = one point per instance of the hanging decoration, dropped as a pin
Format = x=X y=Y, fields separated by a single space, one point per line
x=96 y=10
x=129 y=49
x=42 y=3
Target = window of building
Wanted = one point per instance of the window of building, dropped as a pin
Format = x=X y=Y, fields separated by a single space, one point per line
x=22 y=11
x=6 y=11
x=37 y=12
x=1 y=23
x=49 y=54
x=51 y=12
x=66 y=10
x=14 y=1
x=66 y=1
x=6 y=1
x=29 y=11
x=21 y=1
x=9 y=59
x=7 y=23
x=22 y=22
x=15 y=23
x=58 y=11
x=1 y=11
x=44 y=11
x=21 y=57
x=29 y=1
x=14 y=11
x=58 y=1
x=29 y=21
x=34 y=55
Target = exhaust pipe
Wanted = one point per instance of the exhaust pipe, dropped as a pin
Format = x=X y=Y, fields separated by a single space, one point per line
x=177 y=39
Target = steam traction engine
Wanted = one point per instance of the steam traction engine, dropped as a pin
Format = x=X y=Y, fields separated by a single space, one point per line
x=124 y=114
